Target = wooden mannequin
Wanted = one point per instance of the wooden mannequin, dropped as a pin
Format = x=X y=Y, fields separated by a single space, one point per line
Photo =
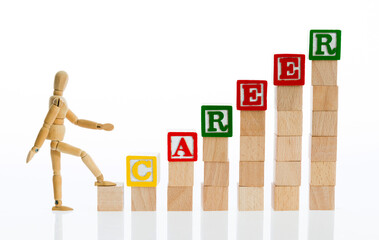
x=54 y=130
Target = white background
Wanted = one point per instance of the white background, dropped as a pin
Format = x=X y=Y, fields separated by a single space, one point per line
x=147 y=67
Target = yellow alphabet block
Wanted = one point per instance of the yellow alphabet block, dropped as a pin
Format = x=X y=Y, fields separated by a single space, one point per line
x=142 y=171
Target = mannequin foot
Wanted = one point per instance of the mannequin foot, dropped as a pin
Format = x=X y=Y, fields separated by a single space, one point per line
x=100 y=182
x=58 y=207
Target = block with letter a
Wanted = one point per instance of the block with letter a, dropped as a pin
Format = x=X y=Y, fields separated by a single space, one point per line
x=182 y=146
x=252 y=95
x=289 y=69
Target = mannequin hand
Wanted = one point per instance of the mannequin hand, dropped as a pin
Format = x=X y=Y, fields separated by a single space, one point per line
x=31 y=153
x=106 y=126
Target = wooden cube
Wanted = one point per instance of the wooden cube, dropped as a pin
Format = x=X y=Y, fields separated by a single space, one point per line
x=321 y=198
x=324 y=123
x=252 y=148
x=289 y=98
x=251 y=174
x=324 y=73
x=216 y=174
x=324 y=149
x=215 y=149
x=250 y=198
x=288 y=174
x=180 y=173
x=215 y=198
x=323 y=173
x=289 y=123
x=144 y=198
x=110 y=198
x=285 y=198
x=288 y=149
x=179 y=198
x=253 y=123
x=325 y=98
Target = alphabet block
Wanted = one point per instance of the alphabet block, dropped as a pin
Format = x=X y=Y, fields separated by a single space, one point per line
x=180 y=173
x=179 y=198
x=250 y=198
x=323 y=173
x=215 y=149
x=325 y=98
x=288 y=173
x=285 y=198
x=182 y=146
x=142 y=171
x=110 y=198
x=289 y=69
x=324 y=73
x=321 y=198
x=324 y=149
x=289 y=123
x=251 y=174
x=253 y=123
x=289 y=98
x=325 y=45
x=216 y=174
x=215 y=198
x=324 y=123
x=251 y=95
x=144 y=198
x=288 y=149
x=216 y=121
x=252 y=148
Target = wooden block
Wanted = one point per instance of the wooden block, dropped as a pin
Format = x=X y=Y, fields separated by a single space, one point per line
x=285 y=198
x=323 y=173
x=253 y=123
x=216 y=174
x=142 y=171
x=252 y=148
x=289 y=98
x=215 y=198
x=289 y=123
x=324 y=149
x=324 y=73
x=325 y=98
x=321 y=198
x=324 y=124
x=179 y=198
x=250 y=198
x=288 y=148
x=251 y=174
x=180 y=173
x=215 y=149
x=144 y=198
x=288 y=174
x=110 y=198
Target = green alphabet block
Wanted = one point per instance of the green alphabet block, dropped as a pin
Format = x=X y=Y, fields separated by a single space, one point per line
x=325 y=45
x=216 y=121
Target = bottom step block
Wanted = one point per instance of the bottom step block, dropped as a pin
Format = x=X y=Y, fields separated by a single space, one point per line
x=321 y=198
x=110 y=198
x=215 y=198
x=179 y=198
x=285 y=198
x=250 y=198
x=144 y=198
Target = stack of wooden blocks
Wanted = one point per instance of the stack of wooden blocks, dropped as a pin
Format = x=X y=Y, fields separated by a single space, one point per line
x=289 y=78
x=324 y=117
x=252 y=103
x=216 y=128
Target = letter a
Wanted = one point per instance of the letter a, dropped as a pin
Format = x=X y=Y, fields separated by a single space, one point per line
x=182 y=147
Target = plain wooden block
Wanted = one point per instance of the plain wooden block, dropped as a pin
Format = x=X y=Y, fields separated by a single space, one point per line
x=324 y=149
x=215 y=198
x=251 y=174
x=216 y=174
x=289 y=123
x=325 y=98
x=324 y=123
x=252 y=148
x=110 y=198
x=180 y=173
x=321 y=198
x=288 y=148
x=144 y=198
x=250 y=198
x=215 y=149
x=285 y=198
x=289 y=98
x=323 y=173
x=253 y=123
x=179 y=198
x=288 y=174
x=324 y=73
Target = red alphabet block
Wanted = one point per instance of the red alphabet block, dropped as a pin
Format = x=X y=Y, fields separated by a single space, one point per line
x=252 y=95
x=289 y=69
x=182 y=146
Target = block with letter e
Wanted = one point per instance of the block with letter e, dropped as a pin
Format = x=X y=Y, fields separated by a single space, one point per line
x=289 y=69
x=252 y=95
x=216 y=121
x=325 y=45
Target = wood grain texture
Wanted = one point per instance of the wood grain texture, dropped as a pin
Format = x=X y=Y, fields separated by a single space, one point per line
x=288 y=148
x=321 y=198
x=216 y=174
x=285 y=198
x=110 y=198
x=289 y=98
x=252 y=148
x=215 y=198
x=251 y=174
x=324 y=73
x=144 y=198
x=323 y=173
x=179 y=198
x=324 y=123
x=180 y=173
x=287 y=174
x=324 y=149
x=215 y=149
x=250 y=198
x=325 y=98
x=289 y=123
x=252 y=123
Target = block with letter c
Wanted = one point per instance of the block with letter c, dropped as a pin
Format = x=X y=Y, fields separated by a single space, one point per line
x=142 y=171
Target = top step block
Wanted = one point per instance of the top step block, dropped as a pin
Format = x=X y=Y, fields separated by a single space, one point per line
x=216 y=121
x=325 y=45
x=252 y=95
x=289 y=69
x=182 y=146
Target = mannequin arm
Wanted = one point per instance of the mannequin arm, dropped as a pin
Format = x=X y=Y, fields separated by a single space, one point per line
x=86 y=123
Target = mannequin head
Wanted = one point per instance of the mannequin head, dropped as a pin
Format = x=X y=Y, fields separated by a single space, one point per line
x=60 y=82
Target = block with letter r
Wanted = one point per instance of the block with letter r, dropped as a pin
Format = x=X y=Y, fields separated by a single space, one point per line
x=216 y=121
x=252 y=95
x=325 y=45
x=289 y=69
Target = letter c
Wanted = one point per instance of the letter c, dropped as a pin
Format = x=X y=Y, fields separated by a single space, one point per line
x=135 y=170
